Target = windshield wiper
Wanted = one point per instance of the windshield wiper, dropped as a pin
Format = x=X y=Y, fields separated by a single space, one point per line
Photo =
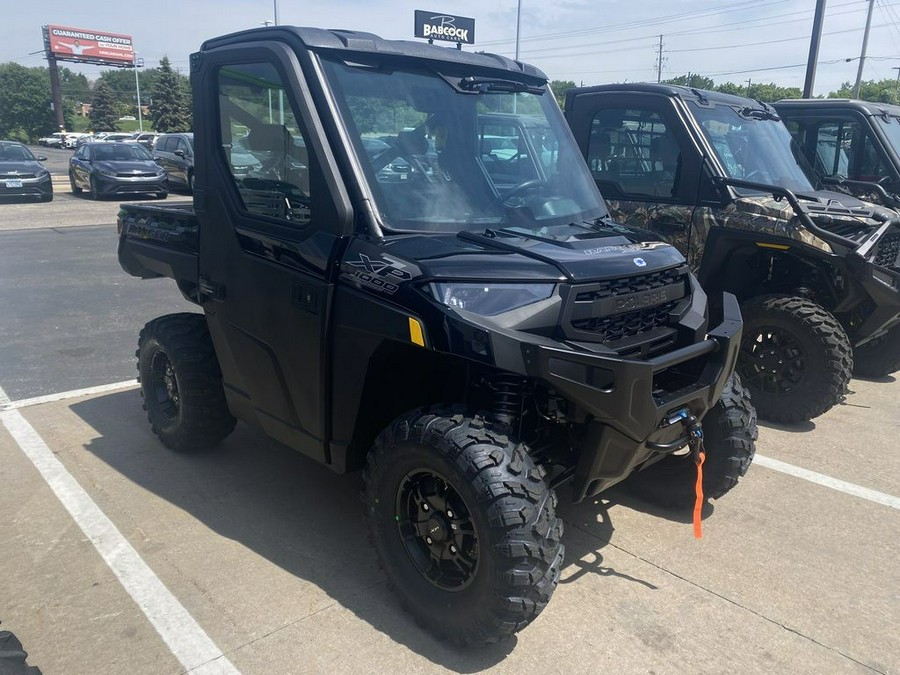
x=758 y=114
x=485 y=84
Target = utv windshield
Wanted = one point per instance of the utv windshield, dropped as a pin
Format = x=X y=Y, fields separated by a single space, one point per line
x=890 y=125
x=451 y=152
x=754 y=146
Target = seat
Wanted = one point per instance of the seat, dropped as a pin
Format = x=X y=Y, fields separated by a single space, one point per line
x=666 y=157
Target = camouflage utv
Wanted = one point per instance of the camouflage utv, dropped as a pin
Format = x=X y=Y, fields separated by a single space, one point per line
x=817 y=273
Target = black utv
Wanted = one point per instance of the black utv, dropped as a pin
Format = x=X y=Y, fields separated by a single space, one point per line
x=416 y=276
x=817 y=273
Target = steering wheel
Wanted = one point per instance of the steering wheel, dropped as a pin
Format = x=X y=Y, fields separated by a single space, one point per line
x=529 y=184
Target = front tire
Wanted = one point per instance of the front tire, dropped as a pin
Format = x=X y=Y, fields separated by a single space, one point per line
x=464 y=525
x=729 y=440
x=795 y=358
x=95 y=190
x=878 y=357
x=75 y=189
x=181 y=383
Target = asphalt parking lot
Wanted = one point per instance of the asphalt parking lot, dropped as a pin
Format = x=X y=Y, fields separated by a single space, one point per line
x=117 y=555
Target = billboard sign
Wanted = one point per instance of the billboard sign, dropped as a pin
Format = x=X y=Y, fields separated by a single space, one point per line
x=78 y=44
x=439 y=26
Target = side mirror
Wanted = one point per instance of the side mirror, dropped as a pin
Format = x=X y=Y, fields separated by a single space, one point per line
x=180 y=153
x=41 y=158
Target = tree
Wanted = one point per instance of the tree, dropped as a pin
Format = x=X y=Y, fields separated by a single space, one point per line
x=559 y=89
x=692 y=80
x=880 y=91
x=104 y=111
x=25 y=111
x=170 y=110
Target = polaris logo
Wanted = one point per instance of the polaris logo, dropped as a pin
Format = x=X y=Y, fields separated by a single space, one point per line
x=648 y=299
x=640 y=262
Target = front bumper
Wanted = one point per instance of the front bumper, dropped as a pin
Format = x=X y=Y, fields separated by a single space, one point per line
x=11 y=186
x=120 y=185
x=629 y=400
x=876 y=266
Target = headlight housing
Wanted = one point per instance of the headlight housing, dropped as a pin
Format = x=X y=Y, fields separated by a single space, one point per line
x=105 y=169
x=490 y=299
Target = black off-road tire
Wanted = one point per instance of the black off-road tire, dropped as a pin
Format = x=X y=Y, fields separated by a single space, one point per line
x=500 y=495
x=13 y=657
x=181 y=383
x=807 y=347
x=878 y=357
x=729 y=440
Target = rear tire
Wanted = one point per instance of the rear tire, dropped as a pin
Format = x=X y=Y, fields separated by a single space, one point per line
x=464 y=525
x=729 y=435
x=795 y=358
x=181 y=383
x=878 y=357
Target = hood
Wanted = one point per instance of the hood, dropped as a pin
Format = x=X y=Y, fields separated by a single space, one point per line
x=833 y=211
x=140 y=166
x=22 y=166
x=576 y=253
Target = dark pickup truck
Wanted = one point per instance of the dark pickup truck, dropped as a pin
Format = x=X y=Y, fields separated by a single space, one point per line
x=817 y=273
x=418 y=278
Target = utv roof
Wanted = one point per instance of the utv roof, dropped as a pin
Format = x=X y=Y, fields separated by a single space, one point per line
x=686 y=93
x=865 y=107
x=348 y=42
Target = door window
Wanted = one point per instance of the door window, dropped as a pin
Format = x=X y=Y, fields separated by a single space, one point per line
x=635 y=152
x=261 y=138
x=844 y=148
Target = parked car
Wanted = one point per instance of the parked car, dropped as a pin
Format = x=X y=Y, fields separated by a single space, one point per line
x=21 y=173
x=145 y=138
x=175 y=154
x=116 y=169
x=72 y=139
x=117 y=137
x=54 y=140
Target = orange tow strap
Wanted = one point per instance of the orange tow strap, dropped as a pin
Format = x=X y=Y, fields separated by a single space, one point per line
x=700 y=457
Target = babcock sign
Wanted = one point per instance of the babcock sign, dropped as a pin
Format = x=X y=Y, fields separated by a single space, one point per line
x=438 y=26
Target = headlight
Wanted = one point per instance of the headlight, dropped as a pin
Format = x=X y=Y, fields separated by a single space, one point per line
x=490 y=299
x=105 y=170
x=42 y=173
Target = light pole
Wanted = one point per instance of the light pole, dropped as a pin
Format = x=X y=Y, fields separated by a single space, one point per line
x=275 y=3
x=518 y=24
x=137 y=87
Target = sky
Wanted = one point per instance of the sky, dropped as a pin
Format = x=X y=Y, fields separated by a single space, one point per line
x=586 y=41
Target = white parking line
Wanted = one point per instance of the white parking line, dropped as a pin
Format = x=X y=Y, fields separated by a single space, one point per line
x=6 y=404
x=189 y=643
x=828 y=481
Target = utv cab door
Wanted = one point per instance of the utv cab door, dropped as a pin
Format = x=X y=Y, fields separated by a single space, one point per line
x=270 y=228
x=643 y=161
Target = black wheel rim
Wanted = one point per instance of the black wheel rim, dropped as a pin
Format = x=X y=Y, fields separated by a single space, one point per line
x=437 y=530
x=772 y=361
x=164 y=387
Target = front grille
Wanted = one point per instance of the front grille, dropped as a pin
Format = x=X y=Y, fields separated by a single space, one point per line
x=620 y=326
x=143 y=174
x=888 y=250
x=644 y=282
x=13 y=176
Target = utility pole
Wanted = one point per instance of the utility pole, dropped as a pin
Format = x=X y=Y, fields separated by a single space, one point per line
x=659 y=61
x=137 y=87
x=518 y=24
x=862 y=54
x=275 y=2
x=814 y=41
x=749 y=82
